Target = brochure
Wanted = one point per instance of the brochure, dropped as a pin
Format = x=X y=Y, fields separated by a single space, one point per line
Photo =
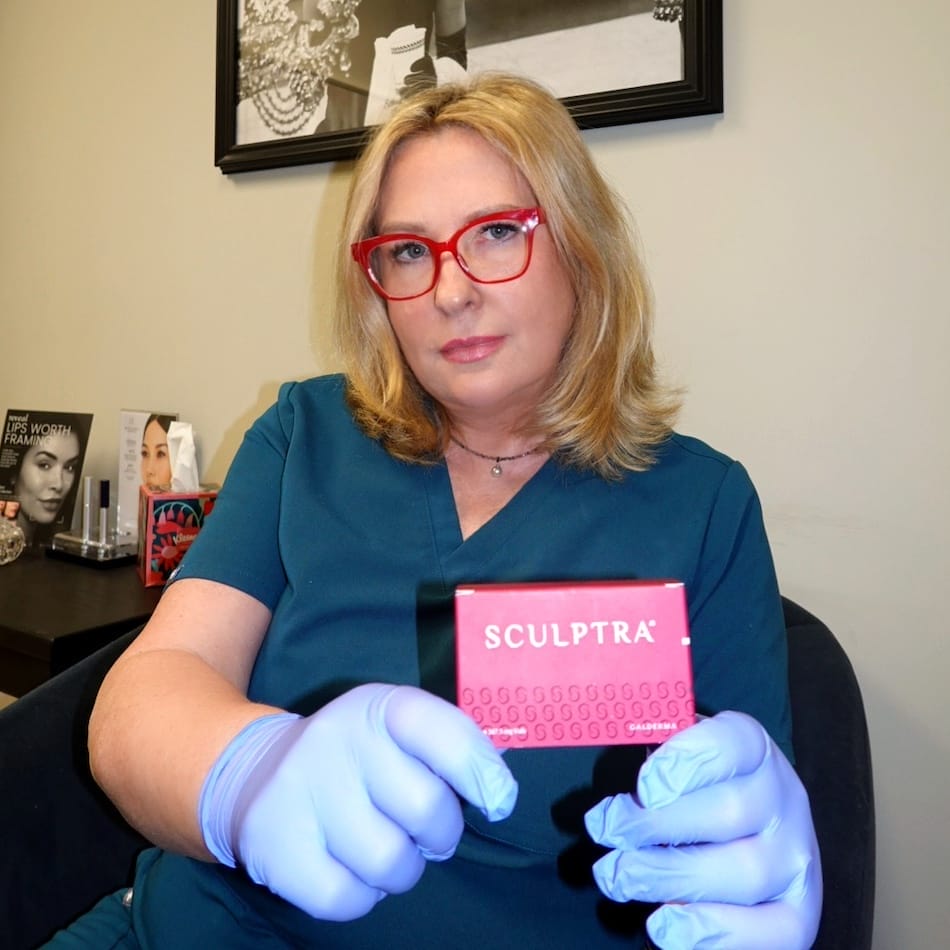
x=143 y=460
x=41 y=459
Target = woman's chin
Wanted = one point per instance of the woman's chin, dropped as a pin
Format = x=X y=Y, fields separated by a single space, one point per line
x=44 y=518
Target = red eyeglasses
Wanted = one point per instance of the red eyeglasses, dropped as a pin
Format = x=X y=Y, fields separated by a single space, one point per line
x=491 y=249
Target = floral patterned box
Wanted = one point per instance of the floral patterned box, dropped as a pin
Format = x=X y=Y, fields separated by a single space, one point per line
x=168 y=523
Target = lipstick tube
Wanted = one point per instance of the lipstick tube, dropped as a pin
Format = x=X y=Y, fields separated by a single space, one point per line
x=104 y=511
x=87 y=509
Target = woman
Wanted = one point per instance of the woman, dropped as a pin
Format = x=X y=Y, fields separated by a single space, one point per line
x=156 y=460
x=44 y=480
x=500 y=420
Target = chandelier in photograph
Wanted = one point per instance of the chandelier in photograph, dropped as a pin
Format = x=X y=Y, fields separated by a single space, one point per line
x=286 y=59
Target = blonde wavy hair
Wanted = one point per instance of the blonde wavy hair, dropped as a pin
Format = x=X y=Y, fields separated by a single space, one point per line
x=607 y=410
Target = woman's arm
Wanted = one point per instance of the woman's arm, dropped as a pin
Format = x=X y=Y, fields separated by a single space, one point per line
x=449 y=16
x=170 y=705
x=450 y=40
x=332 y=811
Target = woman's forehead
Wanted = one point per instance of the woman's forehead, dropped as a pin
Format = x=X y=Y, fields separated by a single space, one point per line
x=57 y=444
x=451 y=170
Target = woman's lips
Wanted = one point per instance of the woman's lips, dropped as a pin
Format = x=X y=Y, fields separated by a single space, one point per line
x=471 y=349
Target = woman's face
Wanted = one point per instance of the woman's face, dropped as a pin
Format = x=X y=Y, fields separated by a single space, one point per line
x=487 y=352
x=156 y=464
x=46 y=476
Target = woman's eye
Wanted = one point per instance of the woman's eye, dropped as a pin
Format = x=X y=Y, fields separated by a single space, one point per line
x=500 y=230
x=408 y=251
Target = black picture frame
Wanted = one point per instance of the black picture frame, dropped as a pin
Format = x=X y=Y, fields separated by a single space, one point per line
x=699 y=92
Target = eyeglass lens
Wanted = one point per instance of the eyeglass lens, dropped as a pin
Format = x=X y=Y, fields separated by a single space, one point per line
x=489 y=251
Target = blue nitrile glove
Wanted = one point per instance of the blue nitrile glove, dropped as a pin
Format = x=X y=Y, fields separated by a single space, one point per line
x=334 y=811
x=720 y=832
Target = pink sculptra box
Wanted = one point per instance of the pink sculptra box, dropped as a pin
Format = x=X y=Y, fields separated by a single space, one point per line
x=592 y=663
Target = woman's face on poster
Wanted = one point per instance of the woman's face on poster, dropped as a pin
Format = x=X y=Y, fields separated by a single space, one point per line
x=156 y=462
x=46 y=476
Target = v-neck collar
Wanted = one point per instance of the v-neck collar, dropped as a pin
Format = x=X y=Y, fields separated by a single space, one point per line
x=459 y=556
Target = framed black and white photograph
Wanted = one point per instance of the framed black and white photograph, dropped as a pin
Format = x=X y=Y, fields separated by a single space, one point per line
x=302 y=81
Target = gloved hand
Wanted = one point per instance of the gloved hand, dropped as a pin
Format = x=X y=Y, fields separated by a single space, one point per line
x=720 y=832
x=334 y=811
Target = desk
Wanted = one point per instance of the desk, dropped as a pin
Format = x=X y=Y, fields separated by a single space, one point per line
x=53 y=613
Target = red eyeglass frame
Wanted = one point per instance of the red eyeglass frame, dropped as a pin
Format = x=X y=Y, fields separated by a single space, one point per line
x=529 y=218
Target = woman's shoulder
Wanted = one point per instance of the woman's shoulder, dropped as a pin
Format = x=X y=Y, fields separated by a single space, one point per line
x=305 y=399
x=693 y=465
x=687 y=449
x=315 y=404
x=329 y=388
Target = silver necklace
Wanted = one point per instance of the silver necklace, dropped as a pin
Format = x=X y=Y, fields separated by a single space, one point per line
x=496 y=469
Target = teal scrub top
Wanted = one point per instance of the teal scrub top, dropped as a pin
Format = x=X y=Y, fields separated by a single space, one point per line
x=357 y=555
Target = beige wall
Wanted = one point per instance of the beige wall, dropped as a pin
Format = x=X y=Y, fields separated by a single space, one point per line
x=797 y=245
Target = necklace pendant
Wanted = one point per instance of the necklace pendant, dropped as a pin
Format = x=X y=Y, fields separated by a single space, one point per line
x=496 y=469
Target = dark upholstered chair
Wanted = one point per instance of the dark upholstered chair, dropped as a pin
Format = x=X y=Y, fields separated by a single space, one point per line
x=63 y=845
x=833 y=759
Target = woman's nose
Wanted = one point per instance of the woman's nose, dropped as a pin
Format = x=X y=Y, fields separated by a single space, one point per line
x=453 y=287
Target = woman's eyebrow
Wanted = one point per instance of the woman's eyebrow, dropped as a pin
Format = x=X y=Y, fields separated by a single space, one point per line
x=46 y=456
x=401 y=227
